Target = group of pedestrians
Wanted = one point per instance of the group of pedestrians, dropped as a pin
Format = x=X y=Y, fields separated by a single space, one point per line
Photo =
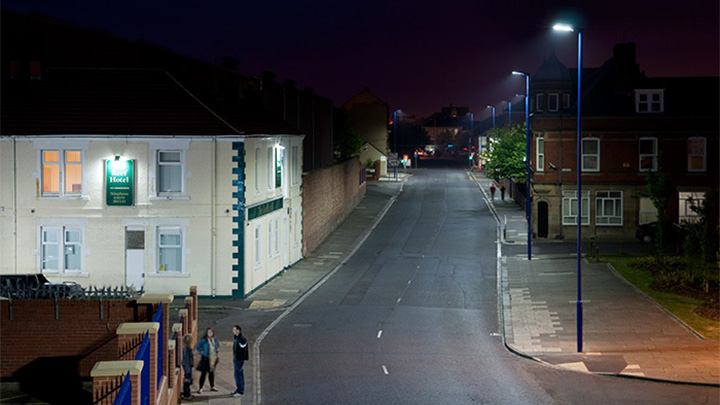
x=208 y=348
x=502 y=191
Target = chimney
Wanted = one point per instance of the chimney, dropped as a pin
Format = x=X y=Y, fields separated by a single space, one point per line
x=626 y=69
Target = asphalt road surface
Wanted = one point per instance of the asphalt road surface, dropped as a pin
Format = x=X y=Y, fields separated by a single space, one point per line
x=412 y=318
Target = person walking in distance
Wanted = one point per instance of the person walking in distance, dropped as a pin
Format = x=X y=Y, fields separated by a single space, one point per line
x=240 y=354
x=492 y=191
x=208 y=348
x=502 y=193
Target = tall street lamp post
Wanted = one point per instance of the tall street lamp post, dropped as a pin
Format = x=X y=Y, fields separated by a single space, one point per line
x=567 y=28
x=509 y=112
x=395 y=140
x=528 y=215
x=493 y=114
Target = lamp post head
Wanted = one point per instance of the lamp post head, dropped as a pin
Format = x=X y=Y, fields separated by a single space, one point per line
x=519 y=73
x=563 y=28
x=489 y=106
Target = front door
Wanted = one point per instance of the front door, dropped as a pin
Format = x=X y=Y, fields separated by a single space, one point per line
x=135 y=257
x=542 y=219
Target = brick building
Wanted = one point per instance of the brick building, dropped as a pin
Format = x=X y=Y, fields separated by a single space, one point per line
x=632 y=125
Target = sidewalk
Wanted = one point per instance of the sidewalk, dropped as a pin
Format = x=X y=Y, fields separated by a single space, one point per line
x=624 y=332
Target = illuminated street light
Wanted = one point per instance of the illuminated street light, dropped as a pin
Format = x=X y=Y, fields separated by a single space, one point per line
x=568 y=28
x=493 y=114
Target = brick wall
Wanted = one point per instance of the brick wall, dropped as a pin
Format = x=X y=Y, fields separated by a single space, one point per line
x=329 y=195
x=79 y=331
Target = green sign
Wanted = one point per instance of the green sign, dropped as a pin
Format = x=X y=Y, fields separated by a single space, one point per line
x=264 y=209
x=119 y=182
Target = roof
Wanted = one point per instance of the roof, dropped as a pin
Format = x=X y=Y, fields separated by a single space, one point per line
x=552 y=70
x=364 y=97
x=106 y=102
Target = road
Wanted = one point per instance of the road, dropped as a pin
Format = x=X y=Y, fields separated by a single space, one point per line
x=412 y=318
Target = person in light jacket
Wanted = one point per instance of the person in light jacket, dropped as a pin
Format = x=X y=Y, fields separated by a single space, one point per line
x=208 y=348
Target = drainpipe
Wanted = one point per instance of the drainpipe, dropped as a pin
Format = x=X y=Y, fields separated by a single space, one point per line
x=213 y=220
x=15 y=209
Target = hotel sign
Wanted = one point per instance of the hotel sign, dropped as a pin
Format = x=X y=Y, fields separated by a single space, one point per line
x=119 y=182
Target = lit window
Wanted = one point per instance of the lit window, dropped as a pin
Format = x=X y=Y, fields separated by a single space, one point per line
x=696 y=154
x=170 y=250
x=170 y=172
x=647 y=212
x=540 y=151
x=649 y=101
x=608 y=208
x=570 y=207
x=61 y=249
x=591 y=155
x=648 y=154
x=61 y=173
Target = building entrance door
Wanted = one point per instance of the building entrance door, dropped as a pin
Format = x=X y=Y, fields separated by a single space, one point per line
x=135 y=257
x=542 y=231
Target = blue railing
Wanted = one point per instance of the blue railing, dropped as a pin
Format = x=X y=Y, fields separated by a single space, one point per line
x=143 y=354
x=124 y=396
x=158 y=317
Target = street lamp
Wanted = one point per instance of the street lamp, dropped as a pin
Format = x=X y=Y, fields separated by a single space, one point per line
x=568 y=28
x=395 y=140
x=493 y=114
x=528 y=214
x=509 y=111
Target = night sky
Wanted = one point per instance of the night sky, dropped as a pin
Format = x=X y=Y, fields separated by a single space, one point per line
x=415 y=55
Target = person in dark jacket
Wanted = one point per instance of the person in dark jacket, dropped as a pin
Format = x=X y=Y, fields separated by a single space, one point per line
x=240 y=354
x=187 y=364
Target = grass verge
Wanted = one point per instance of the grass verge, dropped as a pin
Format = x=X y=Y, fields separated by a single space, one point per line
x=681 y=306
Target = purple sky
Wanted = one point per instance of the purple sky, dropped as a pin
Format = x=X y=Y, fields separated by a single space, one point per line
x=415 y=55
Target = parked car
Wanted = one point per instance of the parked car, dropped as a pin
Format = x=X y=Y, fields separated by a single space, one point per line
x=37 y=286
x=646 y=232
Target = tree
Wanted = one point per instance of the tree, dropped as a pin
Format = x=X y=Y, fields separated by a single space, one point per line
x=701 y=245
x=658 y=190
x=410 y=137
x=348 y=141
x=505 y=156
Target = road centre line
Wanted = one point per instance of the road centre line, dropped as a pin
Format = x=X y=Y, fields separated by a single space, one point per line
x=385 y=370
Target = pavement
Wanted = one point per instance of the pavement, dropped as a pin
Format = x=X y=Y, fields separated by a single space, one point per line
x=625 y=333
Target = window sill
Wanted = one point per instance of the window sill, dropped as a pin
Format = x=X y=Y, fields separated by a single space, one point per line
x=179 y=197
x=78 y=274
x=66 y=197
x=168 y=274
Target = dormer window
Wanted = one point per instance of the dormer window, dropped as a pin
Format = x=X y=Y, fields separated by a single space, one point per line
x=649 y=101
x=553 y=101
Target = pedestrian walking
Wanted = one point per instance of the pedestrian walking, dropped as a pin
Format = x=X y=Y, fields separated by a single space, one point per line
x=492 y=191
x=502 y=193
x=208 y=348
x=187 y=364
x=240 y=354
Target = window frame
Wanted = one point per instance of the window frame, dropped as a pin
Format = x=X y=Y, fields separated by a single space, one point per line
x=170 y=230
x=61 y=243
x=703 y=155
x=539 y=155
x=270 y=165
x=159 y=164
x=649 y=102
x=653 y=155
x=61 y=172
x=258 y=246
x=539 y=98
x=568 y=201
x=596 y=154
x=295 y=157
x=556 y=98
x=685 y=214
x=566 y=100
x=601 y=217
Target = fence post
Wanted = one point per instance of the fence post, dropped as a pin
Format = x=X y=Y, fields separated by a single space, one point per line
x=136 y=328
x=106 y=372
x=164 y=301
